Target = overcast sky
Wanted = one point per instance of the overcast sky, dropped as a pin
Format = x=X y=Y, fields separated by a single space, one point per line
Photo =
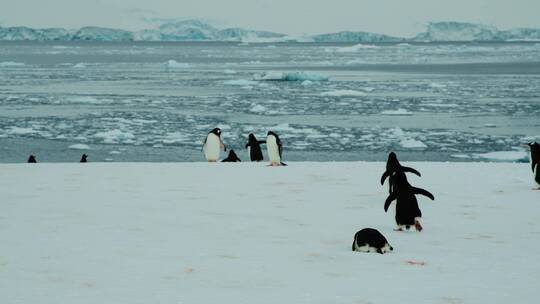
x=395 y=17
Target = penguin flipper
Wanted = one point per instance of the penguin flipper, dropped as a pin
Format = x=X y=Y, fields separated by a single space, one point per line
x=261 y=142
x=389 y=200
x=409 y=169
x=283 y=164
x=423 y=192
x=384 y=176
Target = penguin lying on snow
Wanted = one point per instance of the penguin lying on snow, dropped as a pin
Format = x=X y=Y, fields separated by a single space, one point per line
x=232 y=158
x=370 y=240
x=535 y=161
x=392 y=166
x=213 y=145
x=407 y=211
x=254 y=147
x=275 y=149
x=32 y=159
x=84 y=158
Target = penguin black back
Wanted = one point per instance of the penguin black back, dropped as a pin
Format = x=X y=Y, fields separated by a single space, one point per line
x=370 y=240
x=535 y=154
x=231 y=158
x=84 y=158
x=255 y=152
x=32 y=159
x=535 y=161
x=392 y=166
x=407 y=210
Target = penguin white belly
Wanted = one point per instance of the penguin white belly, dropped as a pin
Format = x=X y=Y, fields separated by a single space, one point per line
x=535 y=175
x=212 y=147
x=273 y=150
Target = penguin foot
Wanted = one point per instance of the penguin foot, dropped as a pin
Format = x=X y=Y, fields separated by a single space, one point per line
x=398 y=229
x=536 y=189
x=418 y=226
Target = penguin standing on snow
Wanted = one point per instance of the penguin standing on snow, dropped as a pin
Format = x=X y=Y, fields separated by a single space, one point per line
x=213 y=145
x=275 y=149
x=232 y=158
x=392 y=166
x=370 y=240
x=84 y=158
x=32 y=159
x=535 y=162
x=254 y=147
x=407 y=211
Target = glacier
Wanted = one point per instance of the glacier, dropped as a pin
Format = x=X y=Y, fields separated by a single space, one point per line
x=196 y=30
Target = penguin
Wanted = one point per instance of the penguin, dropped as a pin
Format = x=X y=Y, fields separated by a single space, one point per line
x=275 y=149
x=213 y=145
x=254 y=147
x=232 y=158
x=393 y=165
x=370 y=240
x=32 y=159
x=407 y=211
x=83 y=158
x=535 y=162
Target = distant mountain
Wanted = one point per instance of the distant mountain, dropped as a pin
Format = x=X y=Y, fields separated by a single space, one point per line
x=462 y=31
x=355 y=37
x=195 y=30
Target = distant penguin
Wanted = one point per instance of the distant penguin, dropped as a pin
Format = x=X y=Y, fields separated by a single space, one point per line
x=84 y=158
x=213 y=145
x=370 y=240
x=535 y=161
x=254 y=147
x=407 y=211
x=232 y=158
x=393 y=165
x=32 y=159
x=275 y=149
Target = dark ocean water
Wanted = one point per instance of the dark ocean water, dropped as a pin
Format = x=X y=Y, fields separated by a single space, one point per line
x=156 y=101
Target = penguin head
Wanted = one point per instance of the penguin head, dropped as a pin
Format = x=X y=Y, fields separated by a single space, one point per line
x=386 y=248
x=271 y=133
x=216 y=131
x=392 y=156
x=534 y=146
x=252 y=137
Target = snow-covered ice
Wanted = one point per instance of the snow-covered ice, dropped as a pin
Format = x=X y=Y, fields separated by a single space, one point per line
x=504 y=155
x=396 y=112
x=341 y=93
x=247 y=233
x=79 y=147
x=173 y=64
x=356 y=48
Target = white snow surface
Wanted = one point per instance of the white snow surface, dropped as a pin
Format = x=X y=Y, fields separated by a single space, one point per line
x=248 y=233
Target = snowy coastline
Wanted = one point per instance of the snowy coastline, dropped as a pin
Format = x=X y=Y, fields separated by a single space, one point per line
x=246 y=233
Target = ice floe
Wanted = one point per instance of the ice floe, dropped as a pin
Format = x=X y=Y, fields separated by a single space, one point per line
x=79 y=147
